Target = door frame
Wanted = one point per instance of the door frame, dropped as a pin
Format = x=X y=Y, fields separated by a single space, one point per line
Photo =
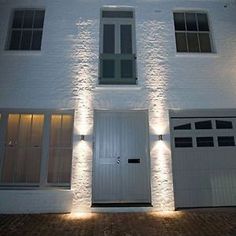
x=95 y=112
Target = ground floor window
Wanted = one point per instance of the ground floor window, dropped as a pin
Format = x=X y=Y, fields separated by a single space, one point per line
x=35 y=148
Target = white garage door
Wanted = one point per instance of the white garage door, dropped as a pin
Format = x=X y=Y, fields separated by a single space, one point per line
x=204 y=161
x=121 y=160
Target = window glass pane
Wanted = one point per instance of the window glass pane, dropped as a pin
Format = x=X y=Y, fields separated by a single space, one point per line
x=222 y=124
x=24 y=130
x=193 y=45
x=12 y=128
x=205 y=142
x=54 y=165
x=203 y=124
x=191 y=22
x=183 y=127
x=126 y=68
x=126 y=38
x=117 y=14
x=59 y=166
x=202 y=22
x=18 y=19
x=37 y=130
x=226 y=141
x=179 y=21
x=108 y=68
x=23 y=150
x=32 y=165
x=26 y=39
x=183 y=142
x=37 y=39
x=205 y=42
x=15 y=40
x=66 y=134
x=109 y=39
x=8 y=165
x=28 y=19
x=55 y=130
x=181 y=43
x=60 y=154
x=39 y=19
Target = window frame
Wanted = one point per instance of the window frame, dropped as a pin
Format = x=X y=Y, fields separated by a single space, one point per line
x=10 y=29
x=43 y=183
x=209 y=32
x=117 y=56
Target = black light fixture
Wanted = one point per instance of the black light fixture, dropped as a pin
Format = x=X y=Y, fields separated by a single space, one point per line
x=82 y=137
x=160 y=137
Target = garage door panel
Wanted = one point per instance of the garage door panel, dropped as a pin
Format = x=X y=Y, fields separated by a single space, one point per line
x=187 y=198
x=192 y=180
x=205 y=172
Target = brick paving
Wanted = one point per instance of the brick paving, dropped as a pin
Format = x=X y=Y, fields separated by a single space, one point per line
x=212 y=222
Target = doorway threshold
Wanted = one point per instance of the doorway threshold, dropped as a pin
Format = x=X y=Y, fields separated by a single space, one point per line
x=121 y=205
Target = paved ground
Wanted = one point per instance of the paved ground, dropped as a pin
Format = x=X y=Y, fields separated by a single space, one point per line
x=198 y=223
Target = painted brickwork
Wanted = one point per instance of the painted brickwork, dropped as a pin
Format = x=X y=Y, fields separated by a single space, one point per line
x=64 y=74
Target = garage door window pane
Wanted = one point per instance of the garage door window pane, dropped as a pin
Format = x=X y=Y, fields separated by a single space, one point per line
x=221 y=124
x=182 y=142
x=203 y=125
x=183 y=127
x=205 y=142
x=226 y=141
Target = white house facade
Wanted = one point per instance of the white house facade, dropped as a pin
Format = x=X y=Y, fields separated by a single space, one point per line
x=109 y=104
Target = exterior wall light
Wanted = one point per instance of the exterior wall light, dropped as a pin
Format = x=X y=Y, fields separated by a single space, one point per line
x=82 y=137
x=160 y=137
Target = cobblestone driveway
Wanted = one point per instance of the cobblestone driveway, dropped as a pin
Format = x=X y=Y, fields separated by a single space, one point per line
x=200 y=223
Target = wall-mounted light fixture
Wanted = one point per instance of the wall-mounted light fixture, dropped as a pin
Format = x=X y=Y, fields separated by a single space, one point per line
x=160 y=137
x=82 y=137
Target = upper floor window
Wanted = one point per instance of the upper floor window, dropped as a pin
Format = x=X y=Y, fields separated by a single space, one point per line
x=192 y=32
x=117 y=46
x=26 y=30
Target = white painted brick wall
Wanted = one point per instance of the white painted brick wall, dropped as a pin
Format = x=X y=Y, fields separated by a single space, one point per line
x=64 y=75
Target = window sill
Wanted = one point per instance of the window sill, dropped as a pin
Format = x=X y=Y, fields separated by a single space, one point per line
x=196 y=54
x=66 y=188
x=117 y=87
x=22 y=52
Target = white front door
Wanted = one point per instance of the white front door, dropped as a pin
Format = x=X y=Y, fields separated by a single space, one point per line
x=121 y=160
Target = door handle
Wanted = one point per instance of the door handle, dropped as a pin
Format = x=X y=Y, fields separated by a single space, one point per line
x=118 y=160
